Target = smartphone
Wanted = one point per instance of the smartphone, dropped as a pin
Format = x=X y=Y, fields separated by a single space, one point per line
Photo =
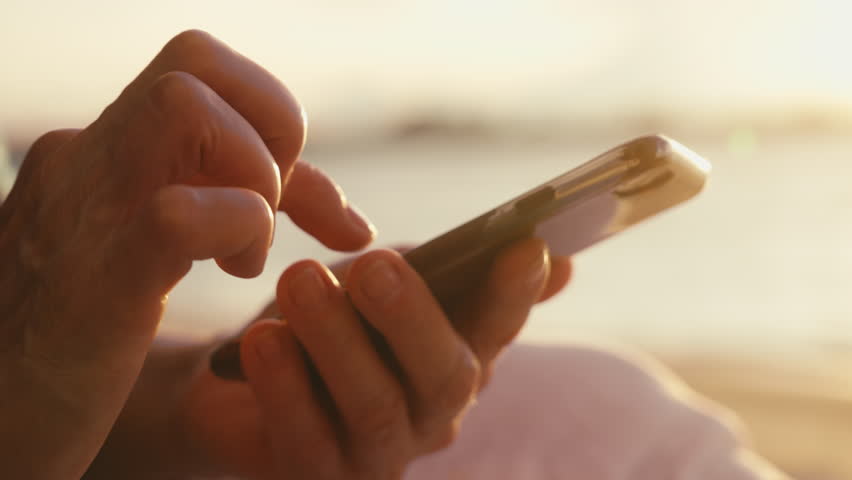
x=575 y=210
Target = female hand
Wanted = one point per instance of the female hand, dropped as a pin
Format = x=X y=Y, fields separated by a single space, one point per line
x=322 y=401
x=188 y=163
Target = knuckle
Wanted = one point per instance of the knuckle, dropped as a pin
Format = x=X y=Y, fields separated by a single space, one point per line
x=48 y=143
x=461 y=383
x=182 y=102
x=191 y=45
x=392 y=302
x=379 y=418
x=443 y=405
x=508 y=335
x=257 y=210
x=173 y=89
x=172 y=208
x=260 y=206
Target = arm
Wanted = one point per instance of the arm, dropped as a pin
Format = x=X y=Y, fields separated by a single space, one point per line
x=146 y=441
x=200 y=425
x=188 y=163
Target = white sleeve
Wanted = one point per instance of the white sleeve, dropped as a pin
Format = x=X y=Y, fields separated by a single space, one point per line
x=584 y=412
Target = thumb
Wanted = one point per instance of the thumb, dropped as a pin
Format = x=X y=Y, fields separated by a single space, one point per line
x=86 y=339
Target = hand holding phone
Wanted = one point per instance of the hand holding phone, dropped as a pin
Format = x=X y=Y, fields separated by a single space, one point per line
x=573 y=211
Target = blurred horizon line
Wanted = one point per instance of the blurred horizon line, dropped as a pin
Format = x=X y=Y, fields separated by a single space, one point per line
x=456 y=124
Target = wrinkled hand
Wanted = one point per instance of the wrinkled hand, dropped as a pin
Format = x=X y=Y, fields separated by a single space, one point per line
x=188 y=163
x=322 y=402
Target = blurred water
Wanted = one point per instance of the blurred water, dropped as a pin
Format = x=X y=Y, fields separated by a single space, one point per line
x=759 y=263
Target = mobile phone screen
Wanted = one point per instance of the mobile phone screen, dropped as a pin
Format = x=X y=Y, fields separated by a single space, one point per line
x=571 y=212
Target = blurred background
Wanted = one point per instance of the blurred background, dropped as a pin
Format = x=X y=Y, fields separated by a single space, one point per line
x=430 y=112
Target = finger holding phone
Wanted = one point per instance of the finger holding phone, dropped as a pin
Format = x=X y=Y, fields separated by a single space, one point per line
x=362 y=392
x=321 y=400
x=190 y=162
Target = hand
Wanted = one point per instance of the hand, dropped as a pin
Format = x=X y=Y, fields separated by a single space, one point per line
x=322 y=402
x=188 y=163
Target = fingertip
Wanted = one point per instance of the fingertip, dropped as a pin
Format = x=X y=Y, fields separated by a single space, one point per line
x=516 y=281
x=403 y=248
x=363 y=231
x=289 y=143
x=300 y=128
x=232 y=225
x=349 y=243
x=258 y=344
x=352 y=231
x=561 y=270
x=315 y=203
x=300 y=285
x=276 y=187
x=528 y=247
x=247 y=264
x=255 y=330
x=523 y=266
x=251 y=261
x=357 y=268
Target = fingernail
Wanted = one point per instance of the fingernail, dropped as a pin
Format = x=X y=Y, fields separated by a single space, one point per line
x=360 y=221
x=268 y=347
x=537 y=268
x=381 y=282
x=307 y=289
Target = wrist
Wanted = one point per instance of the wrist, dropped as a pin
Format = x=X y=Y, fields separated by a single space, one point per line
x=45 y=413
x=148 y=439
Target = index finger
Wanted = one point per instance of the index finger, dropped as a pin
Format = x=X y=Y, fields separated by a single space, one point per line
x=277 y=117
x=248 y=88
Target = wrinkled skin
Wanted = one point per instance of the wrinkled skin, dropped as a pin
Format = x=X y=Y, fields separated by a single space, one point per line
x=189 y=163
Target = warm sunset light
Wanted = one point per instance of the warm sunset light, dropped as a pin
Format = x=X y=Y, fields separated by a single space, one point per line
x=429 y=113
x=538 y=58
